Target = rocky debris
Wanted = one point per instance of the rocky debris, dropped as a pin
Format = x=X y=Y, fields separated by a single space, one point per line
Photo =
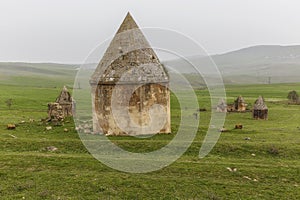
x=51 y=148
x=66 y=130
x=87 y=131
x=222 y=130
x=253 y=154
x=239 y=126
x=13 y=136
x=250 y=179
x=11 y=126
x=231 y=169
x=85 y=127
x=48 y=128
x=247 y=177
x=55 y=112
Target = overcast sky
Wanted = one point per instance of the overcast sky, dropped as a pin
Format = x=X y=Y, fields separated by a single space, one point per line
x=66 y=31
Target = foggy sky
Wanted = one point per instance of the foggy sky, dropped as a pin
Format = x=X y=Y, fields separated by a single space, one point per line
x=66 y=31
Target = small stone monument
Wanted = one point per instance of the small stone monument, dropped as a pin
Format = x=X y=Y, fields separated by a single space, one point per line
x=240 y=104
x=260 y=109
x=62 y=107
x=65 y=101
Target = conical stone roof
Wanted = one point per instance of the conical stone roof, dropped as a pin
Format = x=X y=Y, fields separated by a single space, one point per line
x=260 y=104
x=240 y=99
x=127 y=24
x=129 y=59
x=64 y=96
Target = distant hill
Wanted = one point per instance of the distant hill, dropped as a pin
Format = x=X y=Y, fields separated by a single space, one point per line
x=257 y=64
x=46 y=74
x=25 y=69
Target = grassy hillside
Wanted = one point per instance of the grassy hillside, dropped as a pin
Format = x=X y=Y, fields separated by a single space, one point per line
x=251 y=65
x=37 y=74
x=268 y=165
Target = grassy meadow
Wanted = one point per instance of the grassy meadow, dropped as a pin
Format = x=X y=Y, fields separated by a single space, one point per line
x=267 y=164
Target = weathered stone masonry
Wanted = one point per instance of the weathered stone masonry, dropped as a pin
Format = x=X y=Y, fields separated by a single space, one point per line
x=128 y=85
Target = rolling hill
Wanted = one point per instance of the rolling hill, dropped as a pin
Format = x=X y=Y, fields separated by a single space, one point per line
x=28 y=74
x=257 y=64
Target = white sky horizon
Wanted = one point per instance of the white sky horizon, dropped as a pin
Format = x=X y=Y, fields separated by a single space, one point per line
x=67 y=31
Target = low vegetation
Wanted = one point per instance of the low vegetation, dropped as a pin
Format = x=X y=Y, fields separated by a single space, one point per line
x=259 y=161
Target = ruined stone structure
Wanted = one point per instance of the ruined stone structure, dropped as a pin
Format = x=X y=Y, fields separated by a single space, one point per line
x=62 y=107
x=260 y=109
x=222 y=106
x=130 y=87
x=65 y=101
x=55 y=112
x=239 y=105
x=231 y=107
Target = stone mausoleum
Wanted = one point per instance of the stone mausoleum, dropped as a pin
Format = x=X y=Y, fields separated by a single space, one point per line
x=130 y=87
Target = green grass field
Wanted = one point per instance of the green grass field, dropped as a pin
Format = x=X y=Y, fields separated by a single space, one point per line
x=268 y=165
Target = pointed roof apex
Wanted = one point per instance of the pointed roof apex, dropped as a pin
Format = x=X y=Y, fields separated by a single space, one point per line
x=127 y=24
x=65 y=89
x=128 y=14
x=129 y=59
x=260 y=104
